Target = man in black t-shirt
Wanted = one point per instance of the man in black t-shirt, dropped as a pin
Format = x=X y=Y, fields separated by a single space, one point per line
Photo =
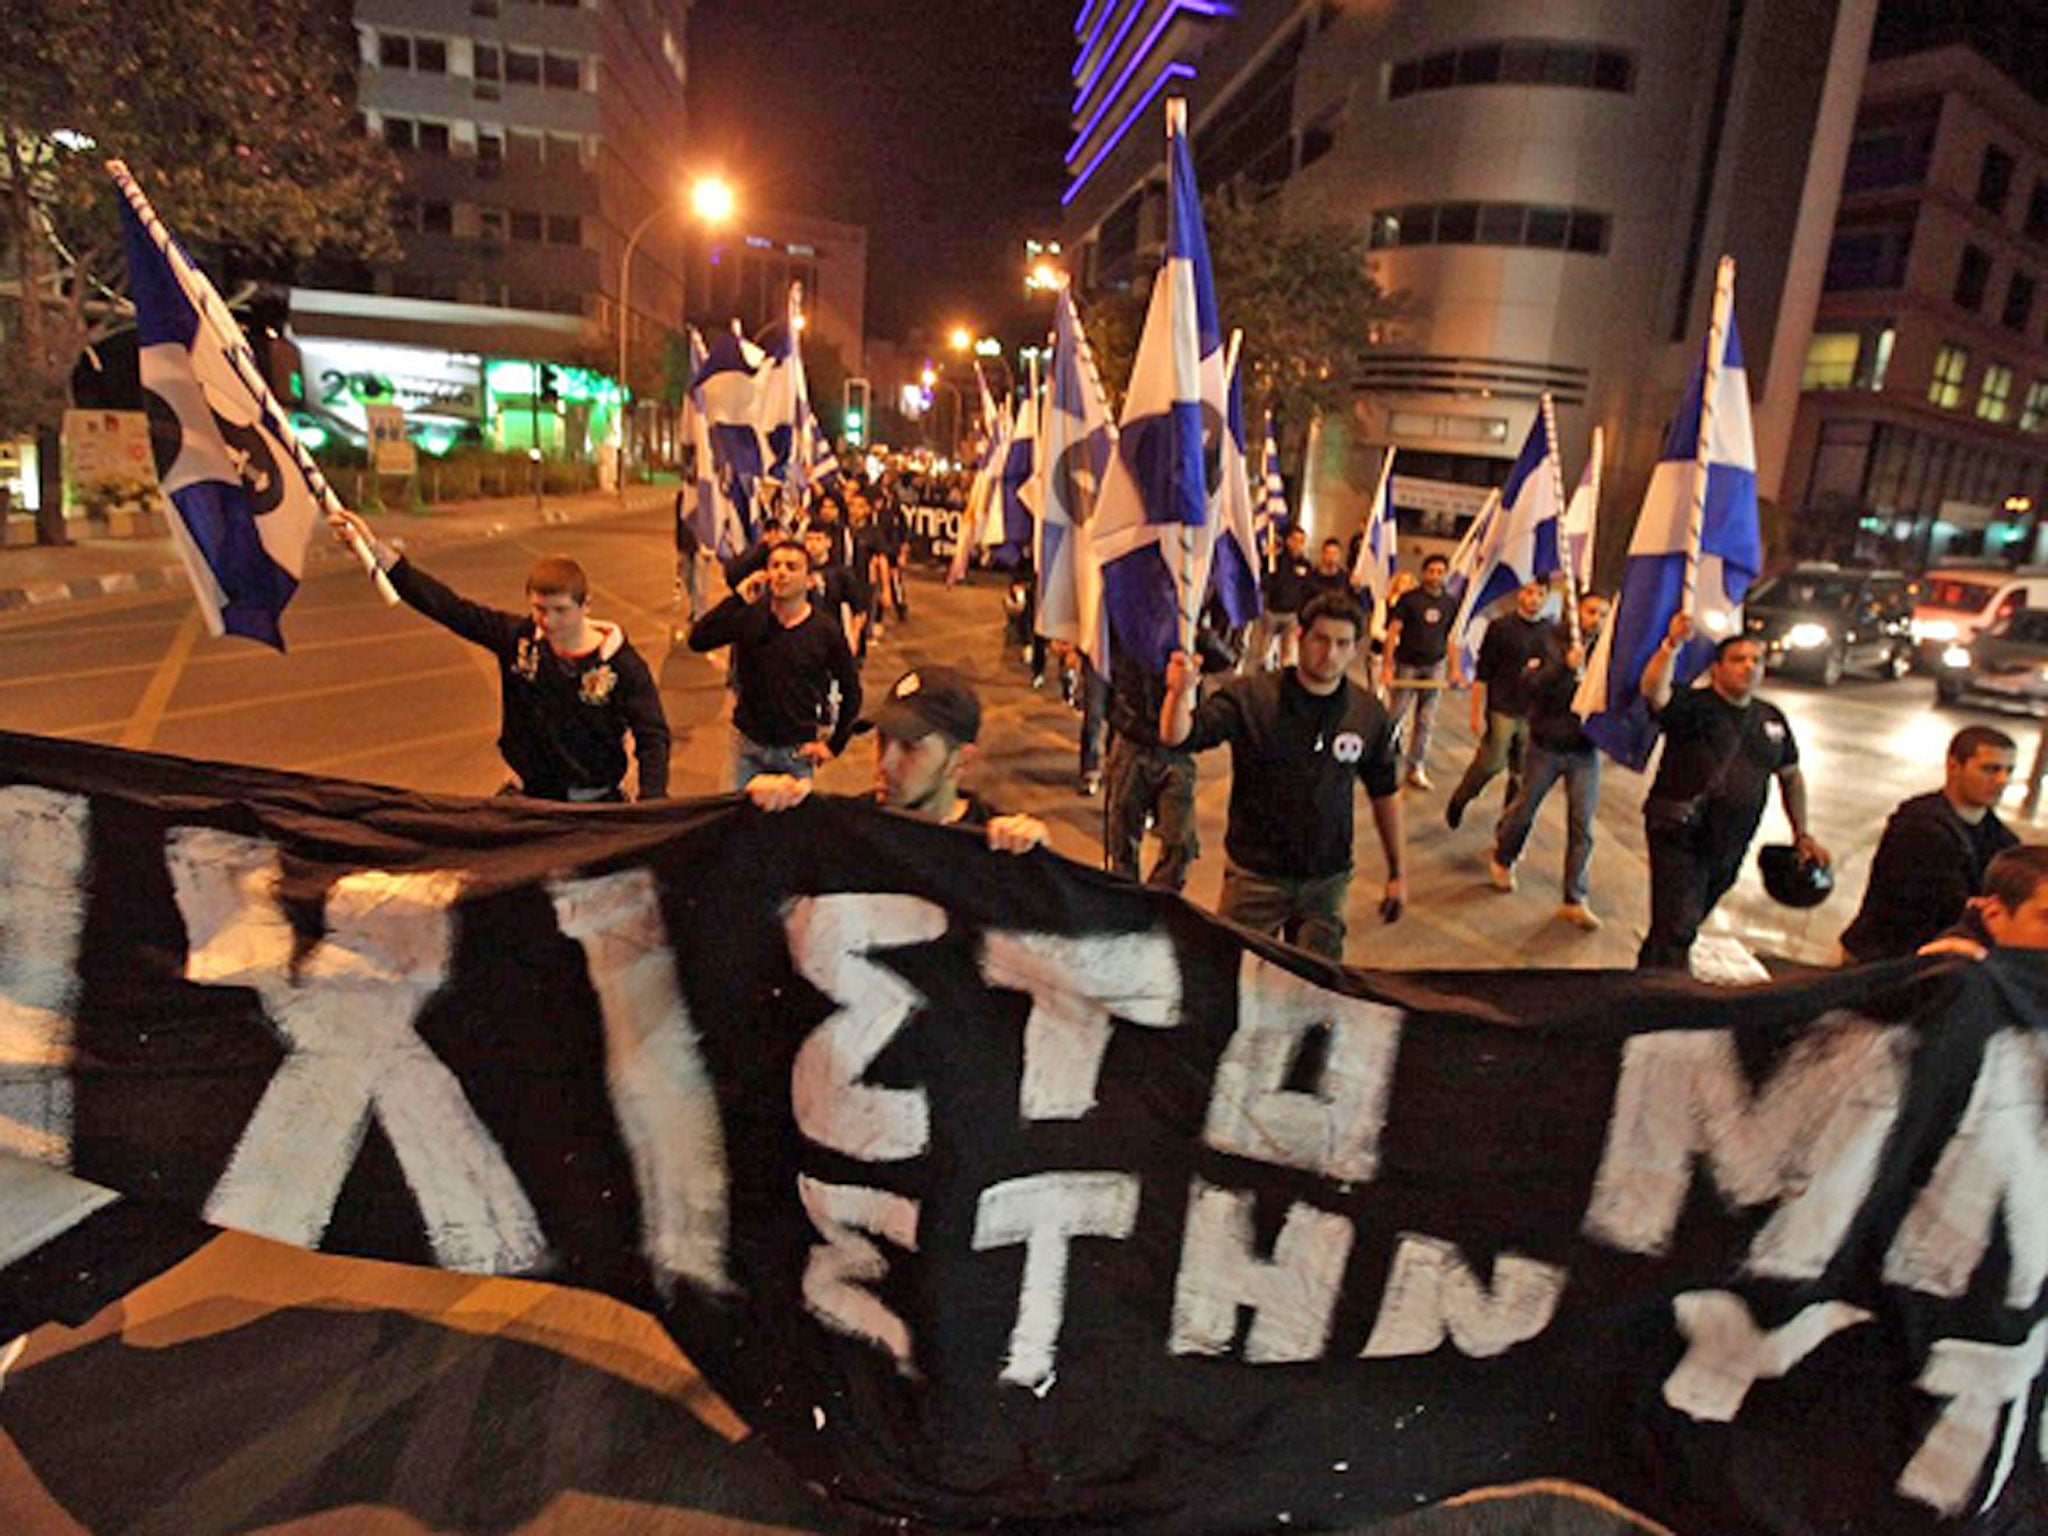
x=1935 y=849
x=1332 y=574
x=1418 y=641
x=1299 y=740
x=1558 y=749
x=786 y=655
x=1287 y=588
x=1515 y=647
x=1722 y=748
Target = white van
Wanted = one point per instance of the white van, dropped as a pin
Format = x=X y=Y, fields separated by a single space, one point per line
x=1956 y=603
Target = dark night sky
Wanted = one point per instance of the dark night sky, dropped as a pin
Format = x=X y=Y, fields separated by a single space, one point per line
x=939 y=126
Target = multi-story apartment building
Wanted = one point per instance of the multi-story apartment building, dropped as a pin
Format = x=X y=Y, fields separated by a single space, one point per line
x=1923 y=425
x=1545 y=193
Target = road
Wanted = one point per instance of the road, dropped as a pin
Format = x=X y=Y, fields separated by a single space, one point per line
x=378 y=694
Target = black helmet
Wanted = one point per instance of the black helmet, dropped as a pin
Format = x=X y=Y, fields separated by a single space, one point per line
x=1791 y=880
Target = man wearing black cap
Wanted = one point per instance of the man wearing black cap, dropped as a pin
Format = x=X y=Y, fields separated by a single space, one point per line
x=925 y=735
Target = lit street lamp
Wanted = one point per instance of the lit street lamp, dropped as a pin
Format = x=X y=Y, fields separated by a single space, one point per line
x=711 y=200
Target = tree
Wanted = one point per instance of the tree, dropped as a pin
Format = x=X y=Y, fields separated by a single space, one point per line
x=237 y=117
x=1301 y=294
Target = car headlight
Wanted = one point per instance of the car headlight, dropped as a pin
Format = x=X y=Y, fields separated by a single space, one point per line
x=1934 y=629
x=1808 y=637
x=1956 y=656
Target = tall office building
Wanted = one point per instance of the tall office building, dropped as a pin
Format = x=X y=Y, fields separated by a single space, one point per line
x=1923 y=429
x=748 y=271
x=1545 y=194
x=534 y=138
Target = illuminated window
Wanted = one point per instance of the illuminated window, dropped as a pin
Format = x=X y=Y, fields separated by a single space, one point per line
x=2034 y=410
x=1831 y=360
x=1995 y=393
x=1950 y=364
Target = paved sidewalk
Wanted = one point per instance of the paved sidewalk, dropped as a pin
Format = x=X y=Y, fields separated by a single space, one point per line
x=36 y=577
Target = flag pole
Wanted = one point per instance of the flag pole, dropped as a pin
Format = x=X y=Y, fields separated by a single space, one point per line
x=1556 y=457
x=1594 y=471
x=1710 y=377
x=213 y=311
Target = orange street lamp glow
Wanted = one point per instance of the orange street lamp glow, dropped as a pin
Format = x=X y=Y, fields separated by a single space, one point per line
x=711 y=200
x=962 y=338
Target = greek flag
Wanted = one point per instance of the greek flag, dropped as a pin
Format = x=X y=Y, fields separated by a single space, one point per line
x=1700 y=508
x=1521 y=542
x=1272 y=497
x=728 y=388
x=1153 y=532
x=1373 y=571
x=239 y=484
x=1075 y=440
x=1233 y=574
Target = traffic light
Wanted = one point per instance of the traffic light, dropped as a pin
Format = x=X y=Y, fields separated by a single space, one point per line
x=550 y=383
x=854 y=413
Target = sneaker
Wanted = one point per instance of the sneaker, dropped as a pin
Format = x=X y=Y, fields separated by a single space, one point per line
x=1502 y=875
x=1579 y=915
x=1417 y=779
x=1454 y=812
x=1091 y=784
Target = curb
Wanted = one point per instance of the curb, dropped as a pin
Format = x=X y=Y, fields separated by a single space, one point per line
x=155 y=578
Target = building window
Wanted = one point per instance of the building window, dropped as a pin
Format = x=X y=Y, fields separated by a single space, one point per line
x=490 y=152
x=564 y=72
x=2019 y=302
x=1994 y=179
x=490 y=63
x=433 y=139
x=1951 y=362
x=1995 y=393
x=565 y=149
x=1541 y=226
x=490 y=224
x=522 y=67
x=1830 y=360
x=437 y=218
x=430 y=55
x=401 y=133
x=1891 y=154
x=1577 y=66
x=1973 y=276
x=2034 y=409
x=1867 y=256
x=394 y=50
x=526 y=227
x=564 y=229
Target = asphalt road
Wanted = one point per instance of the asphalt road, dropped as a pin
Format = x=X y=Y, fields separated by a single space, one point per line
x=372 y=693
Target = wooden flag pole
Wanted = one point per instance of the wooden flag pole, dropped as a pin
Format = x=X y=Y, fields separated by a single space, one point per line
x=214 y=312
x=1717 y=343
x=1556 y=457
x=1593 y=474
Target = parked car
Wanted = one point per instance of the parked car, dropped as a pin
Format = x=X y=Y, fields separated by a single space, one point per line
x=1958 y=602
x=1819 y=621
x=2002 y=668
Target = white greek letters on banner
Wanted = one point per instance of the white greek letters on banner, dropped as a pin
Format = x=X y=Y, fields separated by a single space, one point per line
x=1432 y=1295
x=1811 y=1139
x=1332 y=1130
x=1077 y=985
x=345 y=1013
x=1293 y=1296
x=1726 y=1353
x=1046 y=1212
x=1984 y=1384
x=839 y=1269
x=660 y=1088
x=831 y=939
x=1994 y=1167
x=42 y=915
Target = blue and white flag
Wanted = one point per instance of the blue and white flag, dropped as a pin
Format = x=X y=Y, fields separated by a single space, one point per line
x=1373 y=571
x=984 y=492
x=729 y=387
x=785 y=403
x=1075 y=441
x=1521 y=543
x=1234 y=571
x=712 y=520
x=1006 y=533
x=1582 y=517
x=1272 y=498
x=1700 y=505
x=1153 y=533
x=821 y=460
x=245 y=504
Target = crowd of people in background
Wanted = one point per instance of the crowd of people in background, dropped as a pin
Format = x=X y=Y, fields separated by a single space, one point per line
x=1319 y=694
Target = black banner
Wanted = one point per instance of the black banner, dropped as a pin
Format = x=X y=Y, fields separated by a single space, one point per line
x=996 y=1189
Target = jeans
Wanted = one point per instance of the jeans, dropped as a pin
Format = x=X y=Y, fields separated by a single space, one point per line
x=1541 y=768
x=1691 y=868
x=1139 y=781
x=1500 y=747
x=1305 y=910
x=1422 y=700
x=750 y=757
x=1094 y=716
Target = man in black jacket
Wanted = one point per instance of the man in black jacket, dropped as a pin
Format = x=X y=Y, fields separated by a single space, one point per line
x=1145 y=780
x=572 y=688
x=786 y=657
x=1516 y=645
x=1935 y=849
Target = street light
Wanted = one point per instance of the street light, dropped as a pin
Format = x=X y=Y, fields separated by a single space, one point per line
x=961 y=338
x=710 y=200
